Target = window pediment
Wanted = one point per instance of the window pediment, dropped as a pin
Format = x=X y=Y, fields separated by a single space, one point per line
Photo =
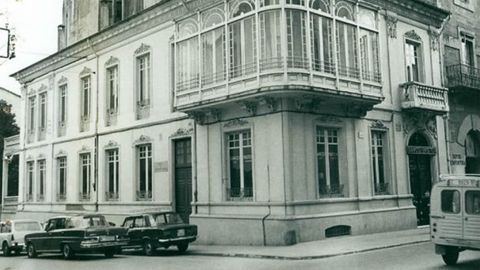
x=61 y=153
x=112 y=61
x=142 y=139
x=85 y=72
x=144 y=48
x=413 y=35
x=42 y=88
x=63 y=80
x=111 y=144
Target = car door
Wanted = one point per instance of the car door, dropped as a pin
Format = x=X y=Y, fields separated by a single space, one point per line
x=55 y=235
x=471 y=217
x=132 y=232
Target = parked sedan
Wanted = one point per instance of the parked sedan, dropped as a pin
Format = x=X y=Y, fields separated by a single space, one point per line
x=12 y=233
x=151 y=231
x=76 y=234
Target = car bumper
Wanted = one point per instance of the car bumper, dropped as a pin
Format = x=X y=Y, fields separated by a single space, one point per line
x=17 y=246
x=102 y=245
x=170 y=241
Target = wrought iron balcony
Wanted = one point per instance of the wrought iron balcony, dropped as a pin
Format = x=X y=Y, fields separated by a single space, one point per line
x=240 y=194
x=331 y=191
x=463 y=76
x=417 y=95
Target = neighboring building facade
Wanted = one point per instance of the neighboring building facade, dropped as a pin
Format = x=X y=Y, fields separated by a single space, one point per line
x=12 y=99
x=461 y=53
x=288 y=120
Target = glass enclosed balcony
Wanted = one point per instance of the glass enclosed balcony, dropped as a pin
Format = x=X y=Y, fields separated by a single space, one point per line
x=245 y=49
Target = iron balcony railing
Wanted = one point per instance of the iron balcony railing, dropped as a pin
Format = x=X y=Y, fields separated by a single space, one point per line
x=417 y=95
x=461 y=75
x=331 y=191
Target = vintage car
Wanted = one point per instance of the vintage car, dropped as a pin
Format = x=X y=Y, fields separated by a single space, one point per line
x=12 y=233
x=455 y=215
x=76 y=234
x=151 y=231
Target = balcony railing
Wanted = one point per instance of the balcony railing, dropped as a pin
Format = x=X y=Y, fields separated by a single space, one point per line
x=382 y=189
x=417 y=95
x=240 y=194
x=465 y=76
x=283 y=74
x=144 y=195
x=331 y=191
x=112 y=196
x=84 y=196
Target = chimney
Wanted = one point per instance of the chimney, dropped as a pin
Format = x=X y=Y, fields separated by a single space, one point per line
x=62 y=37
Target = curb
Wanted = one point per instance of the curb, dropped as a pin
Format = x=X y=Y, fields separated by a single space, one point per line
x=299 y=258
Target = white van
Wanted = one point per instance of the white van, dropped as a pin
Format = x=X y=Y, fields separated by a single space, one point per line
x=455 y=215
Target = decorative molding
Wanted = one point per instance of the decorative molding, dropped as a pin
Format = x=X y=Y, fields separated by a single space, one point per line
x=63 y=80
x=29 y=158
x=182 y=132
x=391 y=26
x=60 y=153
x=112 y=61
x=213 y=115
x=84 y=149
x=249 y=107
x=420 y=121
x=144 y=48
x=111 y=144
x=238 y=122
x=434 y=39
x=357 y=110
x=42 y=88
x=198 y=117
x=41 y=156
x=85 y=71
x=142 y=139
x=31 y=92
x=413 y=35
x=328 y=119
x=378 y=124
x=269 y=102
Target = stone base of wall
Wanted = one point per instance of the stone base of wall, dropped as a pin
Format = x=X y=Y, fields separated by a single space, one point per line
x=278 y=231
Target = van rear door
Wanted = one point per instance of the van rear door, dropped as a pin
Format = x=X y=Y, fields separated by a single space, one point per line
x=471 y=218
x=450 y=219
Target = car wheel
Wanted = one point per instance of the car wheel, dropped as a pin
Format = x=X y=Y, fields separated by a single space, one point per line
x=451 y=256
x=5 y=249
x=148 y=248
x=109 y=252
x=182 y=247
x=31 y=251
x=67 y=251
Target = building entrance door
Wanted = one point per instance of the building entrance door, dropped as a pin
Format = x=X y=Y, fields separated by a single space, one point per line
x=419 y=157
x=183 y=177
x=472 y=152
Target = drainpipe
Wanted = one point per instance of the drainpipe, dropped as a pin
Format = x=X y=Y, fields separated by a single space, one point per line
x=95 y=173
x=195 y=178
x=269 y=209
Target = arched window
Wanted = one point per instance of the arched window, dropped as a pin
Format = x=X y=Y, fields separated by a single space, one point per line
x=418 y=139
x=237 y=8
x=322 y=5
x=213 y=17
x=344 y=10
x=472 y=144
x=187 y=28
x=296 y=2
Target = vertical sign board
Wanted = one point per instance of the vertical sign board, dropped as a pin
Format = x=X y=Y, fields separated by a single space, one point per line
x=4 y=42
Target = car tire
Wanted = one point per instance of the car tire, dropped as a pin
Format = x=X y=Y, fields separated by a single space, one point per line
x=182 y=247
x=109 y=252
x=148 y=248
x=67 y=252
x=31 y=250
x=6 y=250
x=451 y=256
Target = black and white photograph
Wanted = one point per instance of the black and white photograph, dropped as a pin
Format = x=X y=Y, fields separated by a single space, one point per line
x=240 y=134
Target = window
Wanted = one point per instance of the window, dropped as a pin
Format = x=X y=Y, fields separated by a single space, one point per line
x=112 y=90
x=468 y=54
x=270 y=40
x=112 y=174
x=381 y=186
x=144 y=172
x=132 y=7
x=243 y=46
x=369 y=56
x=213 y=56
x=143 y=80
x=347 y=50
x=187 y=64
x=240 y=164
x=31 y=115
x=329 y=184
x=85 y=176
x=413 y=61
x=321 y=38
x=450 y=201
x=62 y=117
x=62 y=178
x=29 y=183
x=85 y=84
x=296 y=39
x=322 y=5
x=41 y=179
x=42 y=125
x=472 y=202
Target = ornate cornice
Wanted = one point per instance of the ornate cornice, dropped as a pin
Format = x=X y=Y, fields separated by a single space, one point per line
x=144 y=48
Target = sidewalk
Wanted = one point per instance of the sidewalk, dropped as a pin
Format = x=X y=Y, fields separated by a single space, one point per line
x=319 y=249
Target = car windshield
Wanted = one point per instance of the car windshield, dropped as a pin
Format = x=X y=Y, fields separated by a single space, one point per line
x=86 y=222
x=27 y=226
x=169 y=218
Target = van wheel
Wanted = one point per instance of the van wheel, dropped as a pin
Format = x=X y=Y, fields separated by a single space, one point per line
x=5 y=249
x=451 y=256
x=182 y=247
x=67 y=252
x=31 y=251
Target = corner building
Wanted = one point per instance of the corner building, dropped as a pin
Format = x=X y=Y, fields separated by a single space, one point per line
x=286 y=120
